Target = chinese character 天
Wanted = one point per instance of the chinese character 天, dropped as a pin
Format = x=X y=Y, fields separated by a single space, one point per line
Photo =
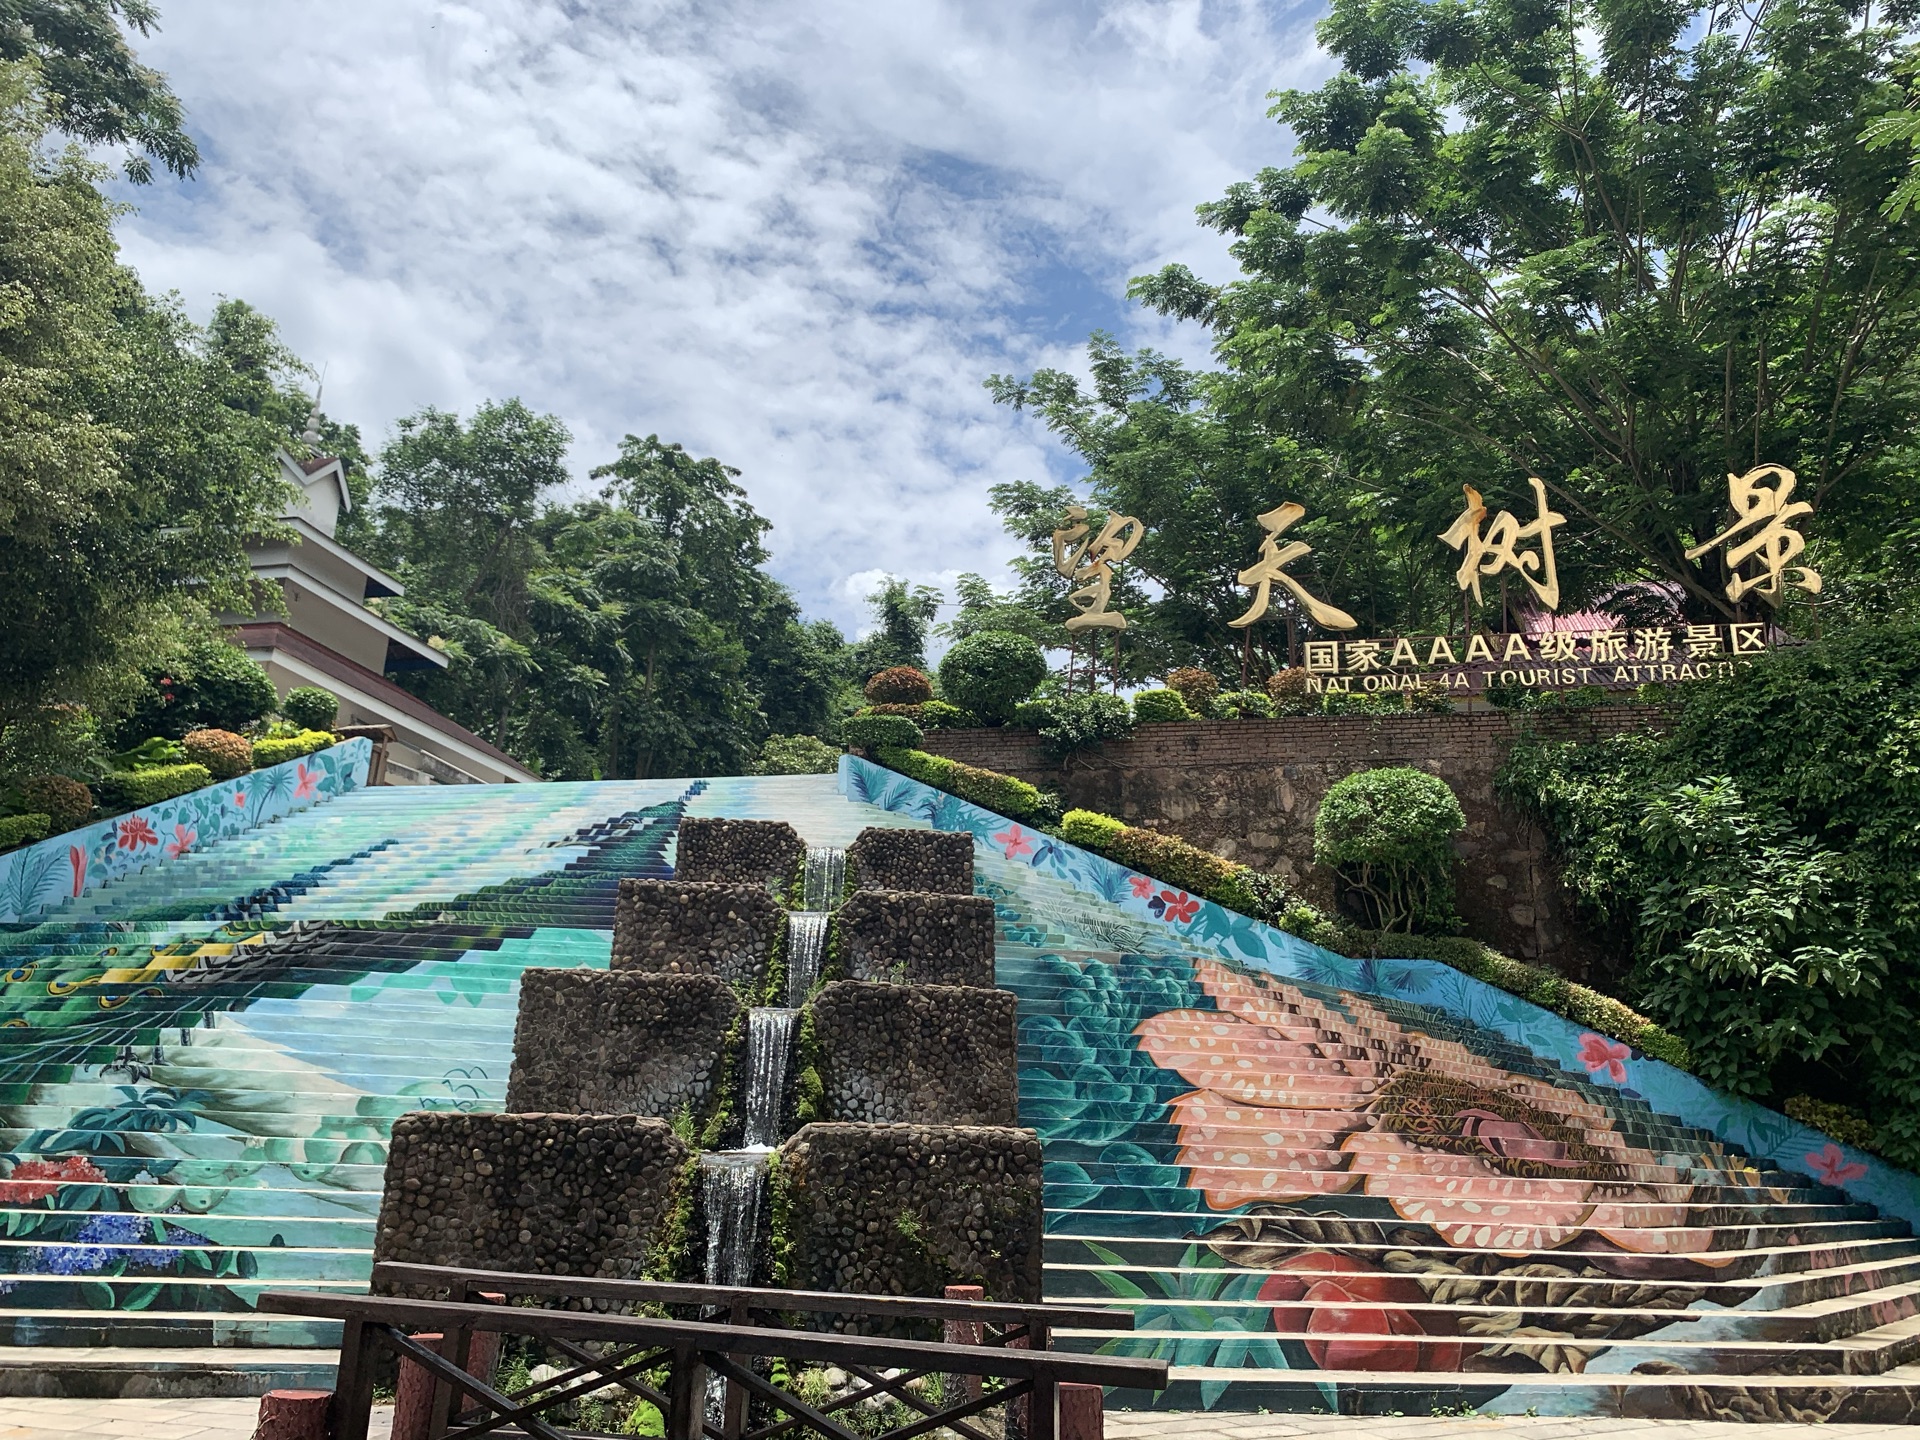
x=1089 y=565
x=1484 y=556
x=1272 y=566
x=1773 y=543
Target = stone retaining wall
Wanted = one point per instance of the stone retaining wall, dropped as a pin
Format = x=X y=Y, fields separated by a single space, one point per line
x=925 y=1054
x=914 y=939
x=1249 y=790
x=698 y=928
x=738 y=852
x=907 y=1209
x=596 y=1195
x=928 y=861
x=599 y=1042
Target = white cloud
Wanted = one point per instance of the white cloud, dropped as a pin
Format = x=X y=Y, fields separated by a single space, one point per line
x=796 y=237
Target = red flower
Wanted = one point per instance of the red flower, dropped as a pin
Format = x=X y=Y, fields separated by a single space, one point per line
x=33 y=1180
x=77 y=858
x=1600 y=1054
x=1015 y=841
x=1830 y=1164
x=135 y=832
x=182 y=841
x=1353 y=1317
x=1181 y=907
x=1142 y=887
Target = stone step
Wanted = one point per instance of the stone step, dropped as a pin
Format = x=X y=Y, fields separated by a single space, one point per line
x=1171 y=1223
x=120 y=1372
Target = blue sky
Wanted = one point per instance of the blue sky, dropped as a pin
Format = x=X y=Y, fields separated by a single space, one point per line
x=797 y=237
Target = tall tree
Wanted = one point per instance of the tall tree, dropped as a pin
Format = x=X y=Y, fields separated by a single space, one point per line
x=902 y=614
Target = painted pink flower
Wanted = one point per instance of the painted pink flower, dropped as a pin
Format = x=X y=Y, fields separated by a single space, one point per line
x=1142 y=887
x=77 y=858
x=135 y=832
x=182 y=841
x=1015 y=842
x=1603 y=1056
x=1181 y=907
x=1830 y=1164
x=309 y=779
x=240 y=799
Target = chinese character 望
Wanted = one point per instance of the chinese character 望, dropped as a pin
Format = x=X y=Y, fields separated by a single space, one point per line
x=1774 y=543
x=1272 y=566
x=1493 y=553
x=1090 y=565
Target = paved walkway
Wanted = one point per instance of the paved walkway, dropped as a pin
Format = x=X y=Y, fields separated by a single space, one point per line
x=233 y=1420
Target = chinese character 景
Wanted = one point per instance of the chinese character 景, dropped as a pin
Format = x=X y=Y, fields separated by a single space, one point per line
x=1089 y=565
x=1494 y=553
x=1774 y=543
x=1272 y=566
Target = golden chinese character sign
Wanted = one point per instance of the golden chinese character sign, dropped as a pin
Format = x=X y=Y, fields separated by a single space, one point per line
x=1485 y=556
x=1272 y=566
x=1088 y=560
x=1763 y=513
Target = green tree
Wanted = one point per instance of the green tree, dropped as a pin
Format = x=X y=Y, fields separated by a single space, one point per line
x=1625 y=249
x=99 y=90
x=903 y=614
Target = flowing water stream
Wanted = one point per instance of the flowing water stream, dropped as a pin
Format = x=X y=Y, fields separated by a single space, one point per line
x=806 y=943
x=823 y=878
x=769 y=1043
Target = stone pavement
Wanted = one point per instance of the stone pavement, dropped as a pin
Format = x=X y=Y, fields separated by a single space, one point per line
x=233 y=1420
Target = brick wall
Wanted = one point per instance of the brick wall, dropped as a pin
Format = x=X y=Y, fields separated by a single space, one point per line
x=1249 y=789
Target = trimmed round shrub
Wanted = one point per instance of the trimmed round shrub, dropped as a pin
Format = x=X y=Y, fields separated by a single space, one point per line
x=224 y=753
x=796 y=755
x=1196 y=686
x=64 y=801
x=1157 y=707
x=1389 y=833
x=311 y=708
x=1288 y=691
x=1244 y=705
x=1090 y=830
x=899 y=685
x=991 y=671
x=875 y=732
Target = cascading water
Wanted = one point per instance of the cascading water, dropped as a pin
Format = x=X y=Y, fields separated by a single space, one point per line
x=730 y=1189
x=769 y=1042
x=806 y=942
x=823 y=877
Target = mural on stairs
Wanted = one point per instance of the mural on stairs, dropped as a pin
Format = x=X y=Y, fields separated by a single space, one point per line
x=1319 y=1182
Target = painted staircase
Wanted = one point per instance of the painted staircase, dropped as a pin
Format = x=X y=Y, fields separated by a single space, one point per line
x=1315 y=1193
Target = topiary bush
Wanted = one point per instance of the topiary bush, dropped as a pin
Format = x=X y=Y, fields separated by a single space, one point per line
x=1195 y=686
x=1288 y=691
x=1389 y=833
x=279 y=750
x=990 y=672
x=1081 y=722
x=224 y=753
x=311 y=708
x=899 y=685
x=1244 y=705
x=1003 y=794
x=1158 y=707
x=1090 y=830
x=131 y=789
x=65 y=802
x=874 y=732
x=23 y=829
x=796 y=755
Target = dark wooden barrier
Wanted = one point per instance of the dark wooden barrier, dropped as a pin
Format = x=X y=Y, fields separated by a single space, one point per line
x=632 y=1346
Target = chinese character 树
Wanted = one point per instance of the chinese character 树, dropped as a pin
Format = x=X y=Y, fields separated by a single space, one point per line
x=1493 y=553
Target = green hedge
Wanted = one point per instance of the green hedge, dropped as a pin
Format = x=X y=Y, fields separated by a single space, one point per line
x=131 y=789
x=278 y=752
x=877 y=732
x=1176 y=862
x=1158 y=707
x=23 y=829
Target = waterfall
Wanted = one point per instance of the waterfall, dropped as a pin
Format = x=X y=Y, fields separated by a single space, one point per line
x=730 y=1189
x=806 y=942
x=825 y=874
x=769 y=1042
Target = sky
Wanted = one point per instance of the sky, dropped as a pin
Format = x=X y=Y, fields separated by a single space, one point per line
x=795 y=236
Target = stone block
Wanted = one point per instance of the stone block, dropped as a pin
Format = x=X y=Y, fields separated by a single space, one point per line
x=924 y=1054
x=921 y=860
x=766 y=853
x=599 y=1042
x=698 y=928
x=911 y=1209
x=915 y=939
x=595 y=1195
